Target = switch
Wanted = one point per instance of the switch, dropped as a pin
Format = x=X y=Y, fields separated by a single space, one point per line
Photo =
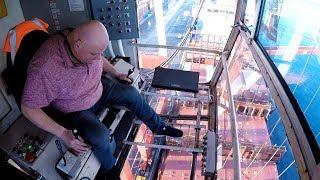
x=101 y=10
x=109 y=17
x=109 y=8
x=118 y=16
x=118 y=8
x=102 y=17
x=126 y=7
x=30 y=157
x=126 y=14
x=128 y=23
x=111 y=24
x=128 y=30
x=112 y=1
x=120 y=31
x=119 y=24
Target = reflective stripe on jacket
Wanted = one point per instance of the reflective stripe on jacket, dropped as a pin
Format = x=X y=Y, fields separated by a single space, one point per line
x=16 y=34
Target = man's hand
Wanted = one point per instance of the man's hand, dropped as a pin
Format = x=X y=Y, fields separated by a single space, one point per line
x=124 y=77
x=77 y=145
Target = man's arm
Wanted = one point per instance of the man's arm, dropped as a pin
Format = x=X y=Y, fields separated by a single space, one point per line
x=43 y=121
x=108 y=68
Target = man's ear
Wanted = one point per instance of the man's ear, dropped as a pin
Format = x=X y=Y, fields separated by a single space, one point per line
x=78 y=44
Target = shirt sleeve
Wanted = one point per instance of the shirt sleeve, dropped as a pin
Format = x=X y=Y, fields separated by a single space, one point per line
x=38 y=91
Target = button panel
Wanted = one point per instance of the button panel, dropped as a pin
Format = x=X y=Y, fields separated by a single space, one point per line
x=29 y=147
x=118 y=16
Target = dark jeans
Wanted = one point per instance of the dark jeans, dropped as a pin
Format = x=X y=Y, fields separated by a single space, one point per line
x=97 y=134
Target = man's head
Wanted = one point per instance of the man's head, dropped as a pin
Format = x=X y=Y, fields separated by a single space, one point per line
x=88 y=41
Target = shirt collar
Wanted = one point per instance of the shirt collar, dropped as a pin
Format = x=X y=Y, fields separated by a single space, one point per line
x=69 y=60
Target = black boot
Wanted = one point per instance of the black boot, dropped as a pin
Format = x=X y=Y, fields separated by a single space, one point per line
x=170 y=131
x=112 y=174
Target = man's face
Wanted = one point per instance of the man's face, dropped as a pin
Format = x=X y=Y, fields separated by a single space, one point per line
x=86 y=51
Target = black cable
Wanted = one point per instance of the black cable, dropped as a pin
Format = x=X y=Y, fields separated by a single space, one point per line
x=130 y=71
x=85 y=178
x=61 y=152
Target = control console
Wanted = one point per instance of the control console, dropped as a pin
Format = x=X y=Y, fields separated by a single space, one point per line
x=28 y=147
x=118 y=16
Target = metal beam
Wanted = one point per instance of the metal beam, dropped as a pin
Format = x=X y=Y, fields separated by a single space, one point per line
x=229 y=45
x=173 y=148
x=239 y=16
x=196 y=140
x=184 y=117
x=200 y=98
x=234 y=125
x=182 y=48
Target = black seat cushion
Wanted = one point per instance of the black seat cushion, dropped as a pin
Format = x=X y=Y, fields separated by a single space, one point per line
x=15 y=75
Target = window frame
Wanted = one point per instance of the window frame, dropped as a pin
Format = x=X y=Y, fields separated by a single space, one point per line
x=307 y=160
x=304 y=145
x=302 y=119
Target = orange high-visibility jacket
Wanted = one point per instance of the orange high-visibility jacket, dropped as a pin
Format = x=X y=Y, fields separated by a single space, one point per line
x=16 y=34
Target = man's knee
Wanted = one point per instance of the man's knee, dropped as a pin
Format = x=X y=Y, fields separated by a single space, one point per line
x=130 y=89
x=129 y=96
x=132 y=93
x=99 y=137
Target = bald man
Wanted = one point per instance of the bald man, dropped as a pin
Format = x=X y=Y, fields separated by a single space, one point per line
x=65 y=73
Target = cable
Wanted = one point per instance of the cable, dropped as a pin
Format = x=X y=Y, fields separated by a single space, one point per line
x=61 y=152
x=85 y=178
x=120 y=46
x=111 y=50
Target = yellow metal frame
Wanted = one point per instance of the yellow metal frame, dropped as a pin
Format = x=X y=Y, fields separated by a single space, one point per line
x=3 y=9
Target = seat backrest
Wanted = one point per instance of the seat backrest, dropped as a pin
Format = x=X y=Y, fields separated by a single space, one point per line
x=15 y=74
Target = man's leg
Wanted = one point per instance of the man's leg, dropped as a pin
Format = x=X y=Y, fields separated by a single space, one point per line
x=95 y=134
x=128 y=96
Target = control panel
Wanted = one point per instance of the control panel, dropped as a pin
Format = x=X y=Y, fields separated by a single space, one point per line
x=70 y=164
x=28 y=147
x=90 y=169
x=118 y=16
x=209 y=154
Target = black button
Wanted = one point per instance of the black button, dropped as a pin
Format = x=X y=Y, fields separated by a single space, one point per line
x=19 y=152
